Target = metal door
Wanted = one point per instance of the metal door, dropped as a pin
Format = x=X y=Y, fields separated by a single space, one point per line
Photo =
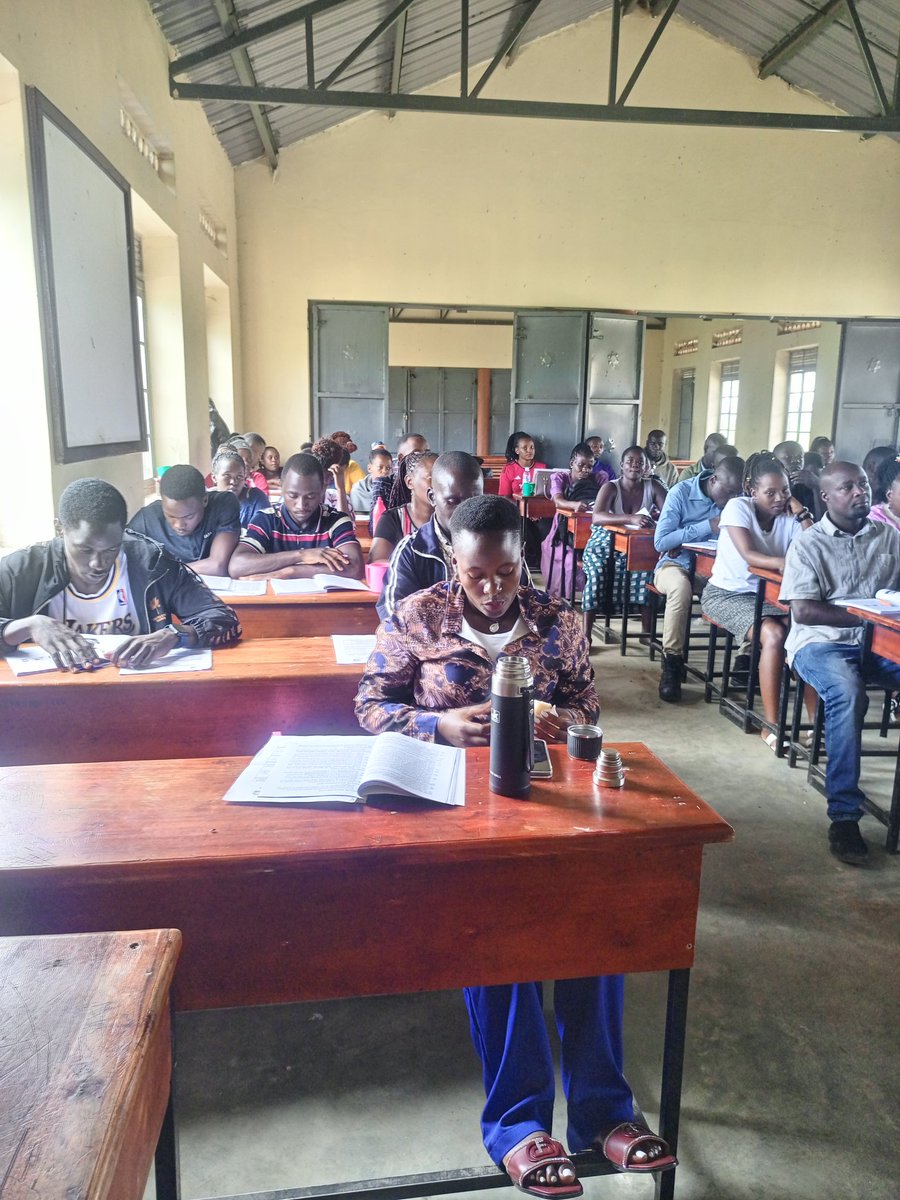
x=424 y=406
x=458 y=407
x=867 y=406
x=685 y=404
x=549 y=381
x=350 y=371
x=398 y=405
x=501 y=386
x=438 y=402
x=614 y=365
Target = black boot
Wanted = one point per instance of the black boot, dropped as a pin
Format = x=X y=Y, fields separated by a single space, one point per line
x=670 y=678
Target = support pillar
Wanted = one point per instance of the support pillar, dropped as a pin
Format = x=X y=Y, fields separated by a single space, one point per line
x=483 y=413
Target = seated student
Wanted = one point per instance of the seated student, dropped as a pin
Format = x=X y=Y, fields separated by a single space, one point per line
x=660 y=466
x=755 y=531
x=255 y=475
x=825 y=447
x=705 y=462
x=97 y=578
x=520 y=464
x=333 y=459
x=379 y=465
x=844 y=556
x=197 y=527
x=603 y=468
x=804 y=482
x=429 y=677
x=873 y=460
x=270 y=465
x=229 y=475
x=618 y=503
x=382 y=488
x=574 y=491
x=424 y=558
x=886 y=493
x=301 y=538
x=353 y=472
x=409 y=505
x=690 y=514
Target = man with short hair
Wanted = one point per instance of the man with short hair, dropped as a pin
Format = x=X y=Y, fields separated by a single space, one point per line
x=422 y=558
x=197 y=527
x=843 y=556
x=704 y=463
x=690 y=514
x=96 y=577
x=660 y=464
x=304 y=536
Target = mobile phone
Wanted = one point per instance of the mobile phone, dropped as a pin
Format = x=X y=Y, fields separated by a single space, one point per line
x=543 y=767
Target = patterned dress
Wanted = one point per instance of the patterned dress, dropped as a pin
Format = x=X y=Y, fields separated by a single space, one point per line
x=595 y=562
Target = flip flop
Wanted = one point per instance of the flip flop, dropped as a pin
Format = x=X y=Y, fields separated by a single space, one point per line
x=621 y=1143
x=541 y=1151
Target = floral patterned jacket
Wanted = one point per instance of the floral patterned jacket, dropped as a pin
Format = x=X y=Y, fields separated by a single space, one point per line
x=422 y=665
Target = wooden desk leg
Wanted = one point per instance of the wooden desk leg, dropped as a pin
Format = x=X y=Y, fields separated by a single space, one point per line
x=166 y=1164
x=672 y=1073
x=626 y=600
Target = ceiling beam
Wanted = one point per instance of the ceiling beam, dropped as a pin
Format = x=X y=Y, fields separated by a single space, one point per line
x=246 y=37
x=648 y=50
x=310 y=55
x=397 y=60
x=539 y=109
x=801 y=35
x=866 y=51
x=228 y=19
x=897 y=85
x=512 y=36
x=382 y=27
x=614 y=51
x=464 y=47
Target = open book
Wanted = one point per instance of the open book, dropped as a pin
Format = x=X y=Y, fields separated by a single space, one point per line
x=340 y=771
x=222 y=585
x=886 y=603
x=316 y=584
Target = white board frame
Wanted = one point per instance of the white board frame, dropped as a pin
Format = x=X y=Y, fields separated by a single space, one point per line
x=118 y=368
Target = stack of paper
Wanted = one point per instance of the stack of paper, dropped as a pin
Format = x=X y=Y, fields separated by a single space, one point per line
x=222 y=585
x=353 y=647
x=32 y=660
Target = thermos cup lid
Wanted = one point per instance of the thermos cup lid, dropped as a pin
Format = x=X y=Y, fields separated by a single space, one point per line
x=584 y=742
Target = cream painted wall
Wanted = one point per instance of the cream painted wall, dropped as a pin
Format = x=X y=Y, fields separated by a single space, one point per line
x=651 y=401
x=591 y=216
x=448 y=345
x=762 y=354
x=77 y=53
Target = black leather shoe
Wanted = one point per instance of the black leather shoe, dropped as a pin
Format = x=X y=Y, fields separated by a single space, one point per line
x=847 y=844
x=740 y=671
x=670 y=678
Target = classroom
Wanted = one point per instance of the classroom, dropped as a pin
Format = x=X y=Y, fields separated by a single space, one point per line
x=400 y=273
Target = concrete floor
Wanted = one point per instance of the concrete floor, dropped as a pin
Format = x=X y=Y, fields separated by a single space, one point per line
x=791 y=1081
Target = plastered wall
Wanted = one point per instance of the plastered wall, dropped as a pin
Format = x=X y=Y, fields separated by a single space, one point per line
x=648 y=218
x=78 y=53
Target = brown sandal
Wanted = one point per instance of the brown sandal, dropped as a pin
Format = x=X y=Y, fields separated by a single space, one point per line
x=539 y=1151
x=622 y=1143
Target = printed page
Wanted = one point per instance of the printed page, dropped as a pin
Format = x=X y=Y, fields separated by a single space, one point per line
x=319 y=768
x=337 y=583
x=296 y=587
x=250 y=785
x=353 y=647
x=176 y=660
x=32 y=660
x=221 y=584
x=412 y=768
x=711 y=545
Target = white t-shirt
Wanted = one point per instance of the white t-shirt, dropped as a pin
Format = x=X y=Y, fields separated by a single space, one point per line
x=731 y=572
x=494 y=643
x=111 y=610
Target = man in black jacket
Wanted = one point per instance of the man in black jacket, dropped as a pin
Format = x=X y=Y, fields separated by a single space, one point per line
x=94 y=578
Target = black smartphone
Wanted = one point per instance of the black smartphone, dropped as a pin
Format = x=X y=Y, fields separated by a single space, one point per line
x=543 y=767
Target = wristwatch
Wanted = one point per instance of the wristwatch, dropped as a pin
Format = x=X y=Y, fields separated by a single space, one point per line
x=184 y=638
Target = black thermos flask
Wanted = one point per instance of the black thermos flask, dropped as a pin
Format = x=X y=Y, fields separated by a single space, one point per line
x=512 y=726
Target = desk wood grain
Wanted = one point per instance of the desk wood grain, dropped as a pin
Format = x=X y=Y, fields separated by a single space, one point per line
x=280 y=903
x=292 y=684
x=85 y=1062
x=272 y=616
x=885 y=632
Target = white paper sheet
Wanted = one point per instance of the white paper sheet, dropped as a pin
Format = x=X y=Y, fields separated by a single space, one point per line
x=711 y=545
x=222 y=585
x=432 y=771
x=318 y=768
x=175 y=661
x=353 y=647
x=316 y=585
x=32 y=660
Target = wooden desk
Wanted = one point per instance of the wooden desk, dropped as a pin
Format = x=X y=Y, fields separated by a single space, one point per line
x=279 y=903
x=704 y=561
x=287 y=684
x=363 y=535
x=272 y=616
x=85 y=1062
x=536 y=508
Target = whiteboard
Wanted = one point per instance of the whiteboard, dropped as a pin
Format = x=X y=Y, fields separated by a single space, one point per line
x=83 y=231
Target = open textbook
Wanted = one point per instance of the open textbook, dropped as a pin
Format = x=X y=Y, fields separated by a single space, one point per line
x=885 y=602
x=321 y=582
x=339 y=771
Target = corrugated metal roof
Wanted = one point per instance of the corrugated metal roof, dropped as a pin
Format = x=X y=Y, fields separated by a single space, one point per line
x=830 y=66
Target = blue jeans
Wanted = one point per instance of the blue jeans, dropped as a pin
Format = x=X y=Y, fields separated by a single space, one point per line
x=839 y=673
x=510 y=1036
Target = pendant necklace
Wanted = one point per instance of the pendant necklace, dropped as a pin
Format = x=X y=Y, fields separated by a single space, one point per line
x=494 y=627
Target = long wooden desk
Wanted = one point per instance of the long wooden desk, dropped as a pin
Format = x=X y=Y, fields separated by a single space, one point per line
x=254 y=688
x=272 y=616
x=85 y=1062
x=277 y=903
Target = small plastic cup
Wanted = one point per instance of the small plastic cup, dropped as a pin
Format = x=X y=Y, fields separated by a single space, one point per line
x=528 y=488
x=375 y=573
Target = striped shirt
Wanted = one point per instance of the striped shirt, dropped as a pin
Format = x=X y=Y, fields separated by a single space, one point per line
x=274 y=530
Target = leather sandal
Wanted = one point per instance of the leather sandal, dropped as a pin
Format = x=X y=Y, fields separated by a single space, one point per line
x=539 y=1152
x=622 y=1142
